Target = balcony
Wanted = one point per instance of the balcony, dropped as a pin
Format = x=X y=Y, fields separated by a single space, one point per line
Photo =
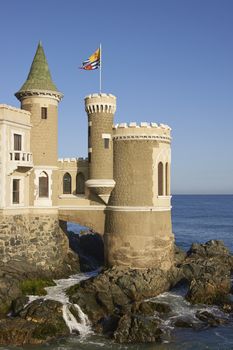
x=20 y=159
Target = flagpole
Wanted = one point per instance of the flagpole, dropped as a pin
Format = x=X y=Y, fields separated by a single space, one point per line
x=100 y=68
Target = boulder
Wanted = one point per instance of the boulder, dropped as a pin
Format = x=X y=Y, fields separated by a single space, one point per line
x=211 y=319
x=135 y=329
x=115 y=290
x=208 y=268
x=38 y=323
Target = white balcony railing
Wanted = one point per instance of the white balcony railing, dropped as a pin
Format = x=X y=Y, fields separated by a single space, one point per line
x=21 y=158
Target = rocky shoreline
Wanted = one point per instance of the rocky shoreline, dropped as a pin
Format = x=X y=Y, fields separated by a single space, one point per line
x=118 y=301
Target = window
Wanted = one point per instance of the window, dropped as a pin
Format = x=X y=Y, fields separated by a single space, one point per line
x=167 y=178
x=89 y=157
x=17 y=146
x=67 y=183
x=43 y=112
x=15 y=191
x=106 y=143
x=160 y=179
x=89 y=136
x=43 y=185
x=80 y=183
x=17 y=142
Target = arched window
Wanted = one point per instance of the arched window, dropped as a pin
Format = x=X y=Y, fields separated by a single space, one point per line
x=160 y=179
x=67 y=183
x=43 y=184
x=167 y=179
x=80 y=183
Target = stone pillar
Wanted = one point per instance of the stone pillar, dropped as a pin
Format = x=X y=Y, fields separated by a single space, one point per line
x=100 y=109
x=138 y=229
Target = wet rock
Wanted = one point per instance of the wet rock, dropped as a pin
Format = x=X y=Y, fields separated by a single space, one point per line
x=38 y=323
x=109 y=325
x=18 y=305
x=150 y=308
x=210 y=319
x=115 y=290
x=183 y=323
x=134 y=329
x=18 y=269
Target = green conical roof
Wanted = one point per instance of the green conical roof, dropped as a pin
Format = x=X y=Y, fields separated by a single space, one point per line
x=39 y=77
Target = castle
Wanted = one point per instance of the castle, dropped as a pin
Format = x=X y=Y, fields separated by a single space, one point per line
x=122 y=190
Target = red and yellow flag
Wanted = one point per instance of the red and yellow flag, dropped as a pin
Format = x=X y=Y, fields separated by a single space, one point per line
x=93 y=62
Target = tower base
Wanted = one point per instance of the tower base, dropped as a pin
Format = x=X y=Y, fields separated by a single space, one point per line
x=140 y=239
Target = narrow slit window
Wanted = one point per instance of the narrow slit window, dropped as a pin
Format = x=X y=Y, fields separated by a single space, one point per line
x=160 y=179
x=15 y=192
x=167 y=179
x=106 y=143
x=44 y=113
x=89 y=157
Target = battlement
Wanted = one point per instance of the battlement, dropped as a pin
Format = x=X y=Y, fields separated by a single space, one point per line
x=72 y=160
x=100 y=103
x=142 y=131
x=13 y=109
x=13 y=114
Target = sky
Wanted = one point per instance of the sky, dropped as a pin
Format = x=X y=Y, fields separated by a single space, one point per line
x=167 y=61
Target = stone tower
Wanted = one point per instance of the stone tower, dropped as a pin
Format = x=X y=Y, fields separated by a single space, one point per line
x=138 y=230
x=40 y=96
x=100 y=109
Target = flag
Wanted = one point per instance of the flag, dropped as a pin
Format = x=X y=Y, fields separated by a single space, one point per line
x=93 y=62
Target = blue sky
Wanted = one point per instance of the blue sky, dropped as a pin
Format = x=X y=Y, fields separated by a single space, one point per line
x=168 y=61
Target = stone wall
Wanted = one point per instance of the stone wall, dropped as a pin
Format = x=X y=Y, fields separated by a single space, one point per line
x=37 y=238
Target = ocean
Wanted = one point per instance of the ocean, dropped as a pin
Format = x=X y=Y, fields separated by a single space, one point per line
x=196 y=218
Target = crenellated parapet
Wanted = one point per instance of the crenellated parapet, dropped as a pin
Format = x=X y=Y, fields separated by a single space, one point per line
x=142 y=131
x=71 y=160
x=100 y=103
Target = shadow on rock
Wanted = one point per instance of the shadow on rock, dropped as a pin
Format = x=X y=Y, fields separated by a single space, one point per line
x=90 y=249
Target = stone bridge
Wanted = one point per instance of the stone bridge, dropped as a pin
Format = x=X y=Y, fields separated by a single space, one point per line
x=90 y=216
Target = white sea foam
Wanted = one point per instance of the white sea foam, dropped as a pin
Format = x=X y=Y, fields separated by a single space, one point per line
x=83 y=327
x=58 y=293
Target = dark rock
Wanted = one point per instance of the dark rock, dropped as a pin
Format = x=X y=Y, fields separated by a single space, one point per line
x=209 y=249
x=205 y=291
x=150 y=308
x=179 y=255
x=19 y=269
x=115 y=290
x=208 y=268
x=90 y=249
x=39 y=322
x=18 y=305
x=210 y=319
x=133 y=329
x=109 y=325
x=183 y=323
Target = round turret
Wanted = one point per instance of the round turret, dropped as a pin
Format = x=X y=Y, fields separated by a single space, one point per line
x=40 y=97
x=100 y=109
x=138 y=231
